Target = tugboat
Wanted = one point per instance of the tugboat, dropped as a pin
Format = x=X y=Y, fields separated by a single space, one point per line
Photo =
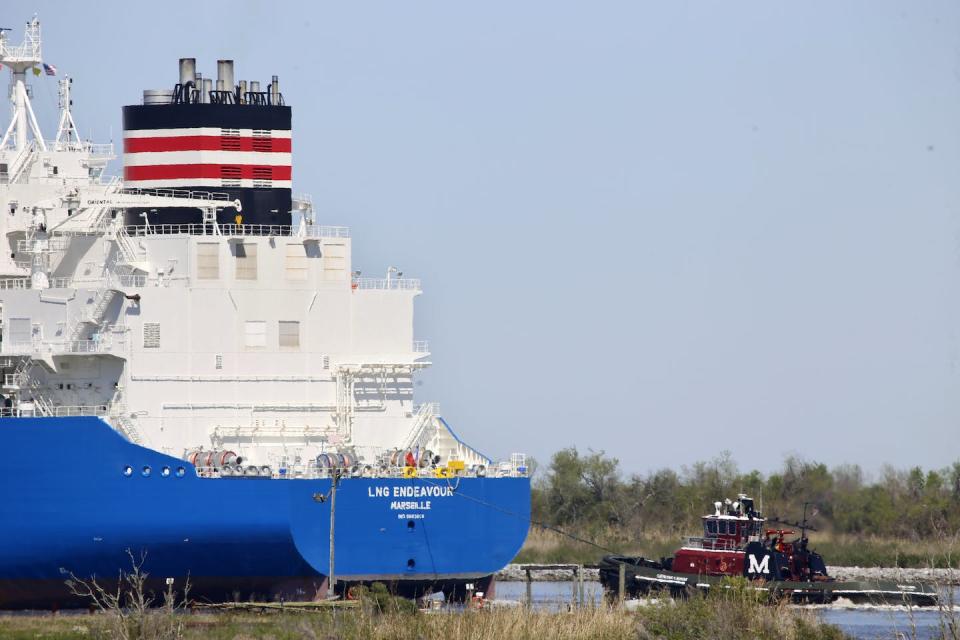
x=737 y=542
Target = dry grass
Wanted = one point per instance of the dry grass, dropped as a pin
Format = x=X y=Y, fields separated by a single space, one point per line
x=736 y=615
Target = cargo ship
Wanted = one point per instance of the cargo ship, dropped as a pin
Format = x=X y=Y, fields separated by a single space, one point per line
x=195 y=374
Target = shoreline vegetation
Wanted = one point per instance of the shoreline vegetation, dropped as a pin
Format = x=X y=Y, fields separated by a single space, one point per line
x=906 y=518
x=732 y=614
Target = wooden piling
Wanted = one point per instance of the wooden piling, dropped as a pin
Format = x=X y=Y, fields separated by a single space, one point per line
x=622 y=584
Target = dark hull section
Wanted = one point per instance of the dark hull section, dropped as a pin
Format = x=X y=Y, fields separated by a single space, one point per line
x=643 y=577
x=259 y=207
x=187 y=116
x=55 y=594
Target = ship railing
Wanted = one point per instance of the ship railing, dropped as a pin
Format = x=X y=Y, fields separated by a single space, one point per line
x=712 y=544
x=325 y=231
x=131 y=281
x=313 y=472
x=219 y=196
x=27 y=283
x=33 y=408
x=200 y=229
x=14 y=283
x=94 y=149
x=308 y=231
x=80 y=410
x=14 y=380
x=81 y=346
x=387 y=284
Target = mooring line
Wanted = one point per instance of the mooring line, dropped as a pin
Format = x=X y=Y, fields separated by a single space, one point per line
x=541 y=524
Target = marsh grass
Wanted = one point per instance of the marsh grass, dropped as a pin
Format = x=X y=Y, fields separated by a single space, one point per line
x=733 y=614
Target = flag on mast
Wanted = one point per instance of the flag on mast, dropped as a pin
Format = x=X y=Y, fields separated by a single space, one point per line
x=49 y=69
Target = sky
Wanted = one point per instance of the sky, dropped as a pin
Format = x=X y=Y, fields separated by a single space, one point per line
x=659 y=230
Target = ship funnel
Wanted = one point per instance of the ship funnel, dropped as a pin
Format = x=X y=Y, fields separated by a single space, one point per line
x=225 y=73
x=207 y=88
x=188 y=70
x=254 y=86
x=275 y=90
x=243 y=90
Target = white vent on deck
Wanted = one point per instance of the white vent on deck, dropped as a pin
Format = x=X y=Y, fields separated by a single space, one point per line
x=151 y=335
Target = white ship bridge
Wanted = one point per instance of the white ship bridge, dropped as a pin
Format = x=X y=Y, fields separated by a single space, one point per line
x=259 y=340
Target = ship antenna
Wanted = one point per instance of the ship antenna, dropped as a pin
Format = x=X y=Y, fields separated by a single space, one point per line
x=67 y=128
x=19 y=59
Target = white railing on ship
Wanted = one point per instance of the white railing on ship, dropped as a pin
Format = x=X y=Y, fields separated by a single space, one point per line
x=13 y=379
x=179 y=193
x=80 y=410
x=133 y=281
x=94 y=149
x=81 y=346
x=306 y=472
x=325 y=231
x=387 y=284
x=14 y=283
x=197 y=229
x=718 y=544
x=69 y=283
x=59 y=412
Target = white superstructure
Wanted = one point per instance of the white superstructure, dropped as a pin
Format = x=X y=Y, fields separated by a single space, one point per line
x=259 y=340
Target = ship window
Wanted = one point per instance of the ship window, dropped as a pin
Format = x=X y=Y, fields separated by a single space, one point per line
x=218 y=361
x=208 y=260
x=334 y=261
x=296 y=262
x=20 y=330
x=246 y=260
x=255 y=333
x=289 y=333
x=710 y=527
x=151 y=335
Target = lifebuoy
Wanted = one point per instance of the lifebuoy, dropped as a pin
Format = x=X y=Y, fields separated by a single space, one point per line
x=723 y=565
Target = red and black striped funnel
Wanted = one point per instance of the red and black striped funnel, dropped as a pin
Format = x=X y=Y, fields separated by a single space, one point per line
x=224 y=141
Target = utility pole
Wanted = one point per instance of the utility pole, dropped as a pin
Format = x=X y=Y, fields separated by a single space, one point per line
x=332 y=579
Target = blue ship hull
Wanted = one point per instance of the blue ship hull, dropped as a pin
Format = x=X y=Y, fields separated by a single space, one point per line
x=67 y=507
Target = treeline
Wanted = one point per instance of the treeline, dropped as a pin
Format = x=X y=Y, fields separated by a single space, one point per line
x=589 y=492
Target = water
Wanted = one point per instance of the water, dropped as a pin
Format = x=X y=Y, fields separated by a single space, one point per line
x=864 y=622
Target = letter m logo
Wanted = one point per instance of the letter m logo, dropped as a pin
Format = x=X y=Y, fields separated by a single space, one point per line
x=763 y=566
